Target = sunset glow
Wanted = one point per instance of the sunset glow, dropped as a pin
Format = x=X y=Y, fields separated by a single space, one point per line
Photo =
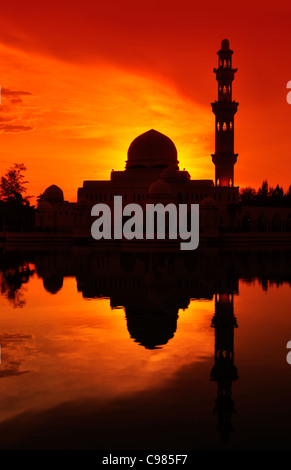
x=80 y=81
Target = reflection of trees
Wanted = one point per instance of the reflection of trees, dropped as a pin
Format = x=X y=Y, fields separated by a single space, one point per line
x=14 y=273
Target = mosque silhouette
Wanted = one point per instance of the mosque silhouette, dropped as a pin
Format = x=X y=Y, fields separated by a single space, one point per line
x=152 y=175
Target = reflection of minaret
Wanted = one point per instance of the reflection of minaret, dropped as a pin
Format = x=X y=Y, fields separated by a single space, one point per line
x=224 y=110
x=224 y=372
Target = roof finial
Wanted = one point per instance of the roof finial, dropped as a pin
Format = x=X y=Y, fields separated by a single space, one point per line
x=225 y=44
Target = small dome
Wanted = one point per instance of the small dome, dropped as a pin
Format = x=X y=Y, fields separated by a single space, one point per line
x=170 y=173
x=160 y=188
x=83 y=202
x=44 y=206
x=151 y=150
x=53 y=193
x=208 y=202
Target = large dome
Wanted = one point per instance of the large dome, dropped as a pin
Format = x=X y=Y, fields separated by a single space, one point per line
x=151 y=150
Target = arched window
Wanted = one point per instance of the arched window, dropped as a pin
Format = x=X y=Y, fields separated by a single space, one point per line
x=218 y=126
x=262 y=224
x=224 y=90
x=276 y=223
x=224 y=126
x=246 y=223
x=230 y=126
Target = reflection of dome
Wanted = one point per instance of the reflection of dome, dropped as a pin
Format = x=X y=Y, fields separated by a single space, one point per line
x=160 y=188
x=151 y=150
x=53 y=193
x=208 y=202
x=44 y=206
x=53 y=284
x=152 y=329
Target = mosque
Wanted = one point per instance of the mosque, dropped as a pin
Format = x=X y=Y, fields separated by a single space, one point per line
x=152 y=175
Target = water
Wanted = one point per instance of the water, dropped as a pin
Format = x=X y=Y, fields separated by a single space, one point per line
x=109 y=349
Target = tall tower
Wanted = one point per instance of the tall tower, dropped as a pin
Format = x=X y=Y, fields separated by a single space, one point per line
x=224 y=110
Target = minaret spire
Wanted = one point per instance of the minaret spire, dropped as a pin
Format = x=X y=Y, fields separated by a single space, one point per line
x=224 y=109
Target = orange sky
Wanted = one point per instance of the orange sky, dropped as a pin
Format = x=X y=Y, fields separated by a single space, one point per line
x=80 y=80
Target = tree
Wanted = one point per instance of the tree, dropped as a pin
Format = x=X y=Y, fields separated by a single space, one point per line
x=248 y=196
x=16 y=214
x=276 y=196
x=39 y=198
x=12 y=185
x=263 y=193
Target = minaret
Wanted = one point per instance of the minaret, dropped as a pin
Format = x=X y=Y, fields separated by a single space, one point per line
x=224 y=110
x=224 y=371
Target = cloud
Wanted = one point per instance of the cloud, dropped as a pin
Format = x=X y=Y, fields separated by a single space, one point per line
x=14 y=128
x=12 y=109
x=14 y=93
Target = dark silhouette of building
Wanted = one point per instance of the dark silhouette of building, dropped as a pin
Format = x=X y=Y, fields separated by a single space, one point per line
x=224 y=110
x=152 y=175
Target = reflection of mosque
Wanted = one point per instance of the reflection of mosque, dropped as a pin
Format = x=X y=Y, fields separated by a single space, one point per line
x=224 y=371
x=153 y=287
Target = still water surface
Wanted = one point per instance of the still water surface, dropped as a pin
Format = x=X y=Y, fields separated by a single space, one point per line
x=103 y=349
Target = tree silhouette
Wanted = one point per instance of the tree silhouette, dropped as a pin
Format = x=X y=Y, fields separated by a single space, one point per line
x=266 y=196
x=247 y=196
x=12 y=185
x=16 y=214
x=40 y=197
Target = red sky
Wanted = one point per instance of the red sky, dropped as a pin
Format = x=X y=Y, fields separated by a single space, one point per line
x=80 y=80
